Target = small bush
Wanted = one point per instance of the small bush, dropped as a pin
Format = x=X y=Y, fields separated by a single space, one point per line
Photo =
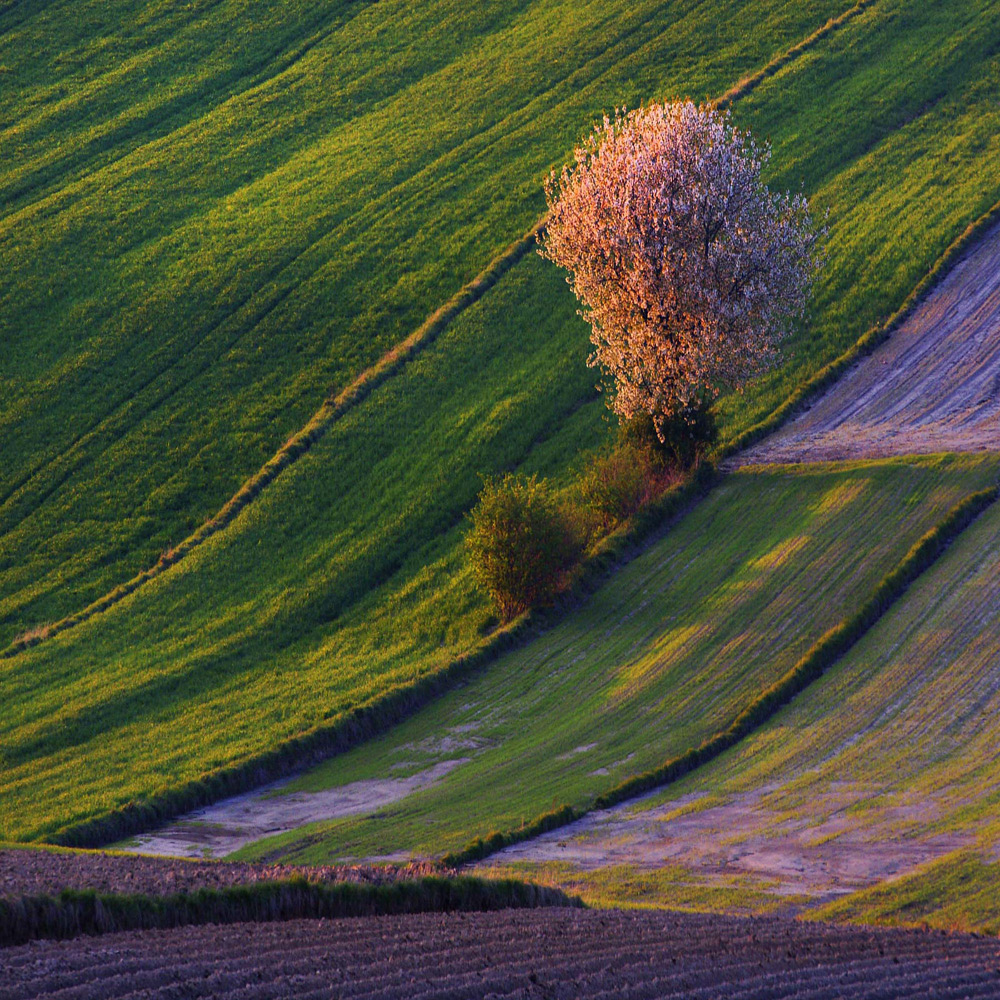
x=617 y=484
x=683 y=438
x=521 y=544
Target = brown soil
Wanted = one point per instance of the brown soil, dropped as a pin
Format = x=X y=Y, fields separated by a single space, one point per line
x=817 y=855
x=541 y=953
x=226 y=826
x=34 y=872
x=934 y=386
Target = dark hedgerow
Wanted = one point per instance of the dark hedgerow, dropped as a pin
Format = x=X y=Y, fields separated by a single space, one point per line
x=522 y=543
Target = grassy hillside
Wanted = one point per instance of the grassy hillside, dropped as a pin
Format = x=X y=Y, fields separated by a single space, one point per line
x=896 y=745
x=959 y=892
x=665 y=655
x=345 y=579
x=900 y=739
x=210 y=218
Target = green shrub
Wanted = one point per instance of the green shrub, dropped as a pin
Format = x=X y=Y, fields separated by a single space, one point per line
x=618 y=484
x=522 y=543
x=684 y=437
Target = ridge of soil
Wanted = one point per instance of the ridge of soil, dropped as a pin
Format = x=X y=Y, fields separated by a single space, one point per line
x=553 y=953
x=31 y=872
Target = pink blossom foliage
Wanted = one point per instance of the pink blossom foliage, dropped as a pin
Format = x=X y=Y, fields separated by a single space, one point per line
x=690 y=270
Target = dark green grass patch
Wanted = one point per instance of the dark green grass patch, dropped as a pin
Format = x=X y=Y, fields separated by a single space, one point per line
x=209 y=223
x=76 y=912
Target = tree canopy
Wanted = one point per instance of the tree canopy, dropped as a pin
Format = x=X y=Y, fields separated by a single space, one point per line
x=690 y=270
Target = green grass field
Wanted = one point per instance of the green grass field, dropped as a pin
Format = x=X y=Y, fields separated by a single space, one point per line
x=957 y=893
x=194 y=264
x=662 y=657
x=897 y=743
x=210 y=219
x=905 y=719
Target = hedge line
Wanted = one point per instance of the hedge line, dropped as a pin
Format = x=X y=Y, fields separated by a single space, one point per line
x=872 y=339
x=750 y=83
x=369 y=720
x=76 y=912
x=819 y=658
x=297 y=445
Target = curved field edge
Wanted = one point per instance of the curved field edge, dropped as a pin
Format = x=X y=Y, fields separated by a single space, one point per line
x=296 y=446
x=488 y=191
x=206 y=757
x=662 y=657
x=872 y=339
x=396 y=358
x=370 y=719
x=81 y=912
x=822 y=655
x=959 y=892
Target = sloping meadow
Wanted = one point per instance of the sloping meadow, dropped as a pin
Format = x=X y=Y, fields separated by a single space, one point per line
x=664 y=656
x=212 y=218
x=345 y=579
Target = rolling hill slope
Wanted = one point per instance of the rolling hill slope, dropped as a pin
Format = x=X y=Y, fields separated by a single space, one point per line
x=345 y=580
x=666 y=654
x=210 y=219
x=889 y=761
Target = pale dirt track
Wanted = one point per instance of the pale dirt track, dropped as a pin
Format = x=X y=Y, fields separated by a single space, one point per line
x=814 y=857
x=542 y=953
x=934 y=386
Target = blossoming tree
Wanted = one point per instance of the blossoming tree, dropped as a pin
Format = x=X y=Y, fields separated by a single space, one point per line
x=690 y=270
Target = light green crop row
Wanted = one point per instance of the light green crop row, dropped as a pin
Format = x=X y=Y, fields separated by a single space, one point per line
x=665 y=655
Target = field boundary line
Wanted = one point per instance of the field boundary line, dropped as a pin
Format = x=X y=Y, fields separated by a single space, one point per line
x=750 y=83
x=873 y=338
x=393 y=361
x=822 y=655
x=374 y=717
x=76 y=912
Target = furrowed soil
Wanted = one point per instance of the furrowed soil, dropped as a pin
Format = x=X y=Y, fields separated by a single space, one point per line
x=934 y=386
x=554 y=954
x=31 y=872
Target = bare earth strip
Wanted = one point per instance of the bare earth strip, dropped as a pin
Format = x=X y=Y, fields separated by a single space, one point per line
x=934 y=386
x=228 y=825
x=554 y=953
x=738 y=837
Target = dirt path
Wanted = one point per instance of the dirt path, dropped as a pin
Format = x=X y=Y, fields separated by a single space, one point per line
x=816 y=856
x=220 y=829
x=933 y=386
x=551 y=953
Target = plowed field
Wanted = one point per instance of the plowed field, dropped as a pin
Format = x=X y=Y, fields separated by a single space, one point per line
x=555 y=953
x=934 y=386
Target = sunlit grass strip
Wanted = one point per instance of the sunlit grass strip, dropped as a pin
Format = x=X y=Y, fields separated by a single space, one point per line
x=377 y=716
x=297 y=445
x=76 y=912
x=750 y=83
x=819 y=658
x=960 y=892
x=872 y=339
